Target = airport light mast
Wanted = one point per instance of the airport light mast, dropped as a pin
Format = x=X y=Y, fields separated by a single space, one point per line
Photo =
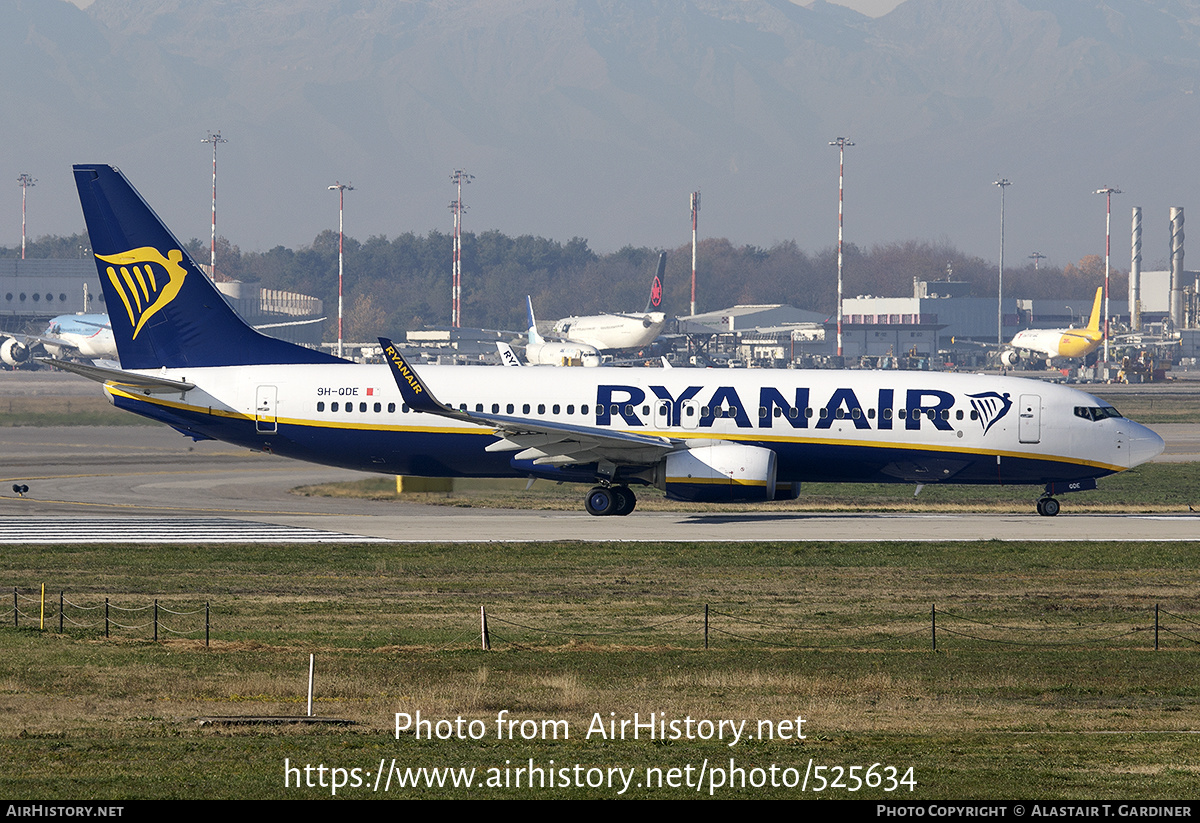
x=24 y=181
x=214 y=138
x=1108 y=192
x=1003 y=183
x=695 y=217
x=841 y=143
x=341 y=189
x=458 y=178
x=1037 y=257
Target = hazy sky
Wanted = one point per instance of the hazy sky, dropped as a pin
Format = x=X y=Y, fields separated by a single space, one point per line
x=874 y=8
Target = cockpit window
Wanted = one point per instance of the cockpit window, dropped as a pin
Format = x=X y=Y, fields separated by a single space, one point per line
x=1095 y=413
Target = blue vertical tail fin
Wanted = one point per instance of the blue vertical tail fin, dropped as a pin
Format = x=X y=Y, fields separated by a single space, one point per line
x=164 y=311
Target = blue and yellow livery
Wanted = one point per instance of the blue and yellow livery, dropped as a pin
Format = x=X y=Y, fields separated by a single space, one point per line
x=189 y=361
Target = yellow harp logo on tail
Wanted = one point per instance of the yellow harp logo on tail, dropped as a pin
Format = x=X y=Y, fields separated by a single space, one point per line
x=143 y=290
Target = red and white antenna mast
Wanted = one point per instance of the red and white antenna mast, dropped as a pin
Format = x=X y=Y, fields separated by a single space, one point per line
x=341 y=189
x=695 y=217
x=24 y=181
x=458 y=178
x=214 y=138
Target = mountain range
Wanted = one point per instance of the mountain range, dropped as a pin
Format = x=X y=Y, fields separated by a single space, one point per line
x=597 y=118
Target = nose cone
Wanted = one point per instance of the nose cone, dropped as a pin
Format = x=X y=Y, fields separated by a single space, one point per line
x=1144 y=444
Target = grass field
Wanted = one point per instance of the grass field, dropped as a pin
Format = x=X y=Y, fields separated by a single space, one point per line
x=86 y=410
x=1045 y=682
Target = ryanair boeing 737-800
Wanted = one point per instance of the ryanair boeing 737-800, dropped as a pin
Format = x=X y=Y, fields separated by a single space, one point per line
x=703 y=435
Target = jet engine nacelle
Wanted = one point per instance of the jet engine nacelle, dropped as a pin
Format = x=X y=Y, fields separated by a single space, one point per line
x=13 y=352
x=1010 y=358
x=722 y=472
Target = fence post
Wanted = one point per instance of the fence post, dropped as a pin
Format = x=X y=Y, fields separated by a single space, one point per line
x=1155 y=627
x=106 y=617
x=487 y=642
x=15 y=624
x=156 y=620
x=706 y=625
x=933 y=624
x=61 y=598
x=206 y=624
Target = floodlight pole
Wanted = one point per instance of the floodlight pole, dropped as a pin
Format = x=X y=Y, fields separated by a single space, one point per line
x=1003 y=183
x=458 y=178
x=841 y=143
x=214 y=138
x=24 y=181
x=1108 y=192
x=341 y=189
x=695 y=217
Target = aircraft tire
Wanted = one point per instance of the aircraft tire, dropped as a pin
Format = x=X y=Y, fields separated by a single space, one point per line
x=600 y=502
x=626 y=500
x=1048 y=507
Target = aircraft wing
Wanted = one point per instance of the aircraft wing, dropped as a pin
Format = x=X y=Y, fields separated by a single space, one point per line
x=290 y=323
x=120 y=377
x=544 y=442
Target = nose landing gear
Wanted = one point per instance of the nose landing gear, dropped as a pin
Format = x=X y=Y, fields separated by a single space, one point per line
x=1047 y=507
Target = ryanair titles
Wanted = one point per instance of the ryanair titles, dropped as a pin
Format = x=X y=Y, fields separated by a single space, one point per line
x=918 y=408
x=403 y=371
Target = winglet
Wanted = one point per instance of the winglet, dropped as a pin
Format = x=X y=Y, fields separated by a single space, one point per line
x=414 y=391
x=656 y=285
x=507 y=356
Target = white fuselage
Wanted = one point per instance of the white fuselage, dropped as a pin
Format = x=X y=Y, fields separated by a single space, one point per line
x=561 y=353
x=915 y=427
x=613 y=332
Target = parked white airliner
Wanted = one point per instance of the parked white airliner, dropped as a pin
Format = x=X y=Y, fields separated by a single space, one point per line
x=542 y=352
x=1056 y=343
x=619 y=331
x=191 y=363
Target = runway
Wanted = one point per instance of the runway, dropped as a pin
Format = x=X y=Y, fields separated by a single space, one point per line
x=151 y=484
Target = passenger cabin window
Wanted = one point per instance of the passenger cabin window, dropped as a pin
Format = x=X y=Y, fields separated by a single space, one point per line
x=320 y=405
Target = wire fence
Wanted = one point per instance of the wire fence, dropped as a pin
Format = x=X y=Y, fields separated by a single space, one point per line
x=62 y=612
x=712 y=628
x=707 y=627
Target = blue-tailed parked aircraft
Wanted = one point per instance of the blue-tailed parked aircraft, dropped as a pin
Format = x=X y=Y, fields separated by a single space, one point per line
x=190 y=362
x=89 y=335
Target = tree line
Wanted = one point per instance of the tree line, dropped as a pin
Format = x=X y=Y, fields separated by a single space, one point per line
x=403 y=283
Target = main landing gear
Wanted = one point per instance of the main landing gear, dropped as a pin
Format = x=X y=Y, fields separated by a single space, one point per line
x=602 y=501
x=1047 y=506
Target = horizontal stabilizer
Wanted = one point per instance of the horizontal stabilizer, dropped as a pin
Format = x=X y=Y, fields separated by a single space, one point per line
x=120 y=377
